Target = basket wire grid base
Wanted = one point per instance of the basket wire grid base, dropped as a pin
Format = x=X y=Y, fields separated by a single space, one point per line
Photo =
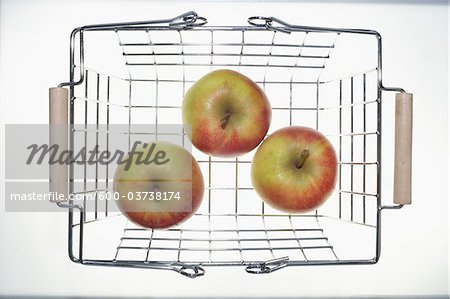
x=231 y=244
x=346 y=110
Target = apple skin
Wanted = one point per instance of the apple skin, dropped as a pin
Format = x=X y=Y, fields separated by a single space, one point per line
x=227 y=114
x=280 y=182
x=181 y=174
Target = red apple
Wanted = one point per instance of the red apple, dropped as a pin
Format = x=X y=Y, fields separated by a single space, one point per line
x=294 y=170
x=162 y=193
x=226 y=113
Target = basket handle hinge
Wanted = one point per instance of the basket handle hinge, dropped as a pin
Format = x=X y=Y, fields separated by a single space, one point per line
x=187 y=20
x=267 y=266
x=267 y=22
x=191 y=271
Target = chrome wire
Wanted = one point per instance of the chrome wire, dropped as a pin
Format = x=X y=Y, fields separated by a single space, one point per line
x=306 y=237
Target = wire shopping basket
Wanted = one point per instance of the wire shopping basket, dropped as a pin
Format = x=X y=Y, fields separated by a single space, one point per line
x=329 y=79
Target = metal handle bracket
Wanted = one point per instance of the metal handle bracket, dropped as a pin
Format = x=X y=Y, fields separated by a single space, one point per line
x=191 y=271
x=268 y=266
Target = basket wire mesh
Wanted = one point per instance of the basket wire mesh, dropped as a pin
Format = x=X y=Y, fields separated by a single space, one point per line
x=305 y=73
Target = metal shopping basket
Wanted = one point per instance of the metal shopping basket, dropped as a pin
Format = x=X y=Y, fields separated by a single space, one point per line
x=326 y=78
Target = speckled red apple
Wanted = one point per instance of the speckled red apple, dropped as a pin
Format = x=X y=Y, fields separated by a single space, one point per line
x=294 y=170
x=139 y=185
x=227 y=114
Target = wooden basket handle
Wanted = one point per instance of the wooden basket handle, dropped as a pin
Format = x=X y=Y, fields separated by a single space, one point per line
x=58 y=135
x=403 y=148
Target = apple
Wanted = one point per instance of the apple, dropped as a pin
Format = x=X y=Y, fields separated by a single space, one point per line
x=226 y=113
x=294 y=170
x=162 y=192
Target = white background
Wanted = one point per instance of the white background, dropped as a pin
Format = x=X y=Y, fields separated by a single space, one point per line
x=34 y=57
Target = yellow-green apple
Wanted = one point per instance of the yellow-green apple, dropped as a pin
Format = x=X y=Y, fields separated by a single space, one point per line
x=227 y=114
x=294 y=170
x=161 y=186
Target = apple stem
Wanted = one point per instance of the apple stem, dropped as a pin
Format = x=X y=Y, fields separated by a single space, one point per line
x=303 y=157
x=224 y=121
